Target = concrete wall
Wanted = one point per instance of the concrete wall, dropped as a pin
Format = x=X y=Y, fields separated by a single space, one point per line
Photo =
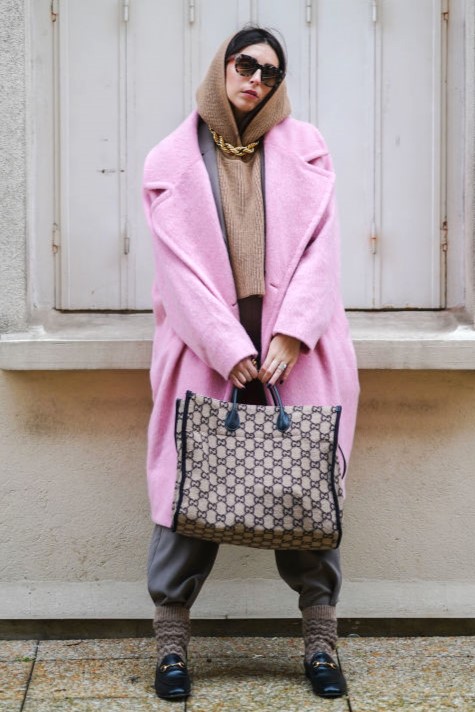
x=12 y=166
x=74 y=528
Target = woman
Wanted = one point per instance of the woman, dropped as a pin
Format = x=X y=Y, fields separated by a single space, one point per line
x=240 y=202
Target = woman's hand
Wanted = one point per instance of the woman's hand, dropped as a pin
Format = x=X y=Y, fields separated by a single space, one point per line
x=243 y=372
x=280 y=360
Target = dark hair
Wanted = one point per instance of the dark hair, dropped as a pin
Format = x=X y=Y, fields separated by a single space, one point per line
x=251 y=35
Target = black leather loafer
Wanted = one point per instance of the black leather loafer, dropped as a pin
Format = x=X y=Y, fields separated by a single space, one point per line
x=326 y=677
x=172 y=681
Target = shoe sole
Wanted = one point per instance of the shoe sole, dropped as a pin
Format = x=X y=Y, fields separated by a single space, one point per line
x=174 y=696
x=330 y=697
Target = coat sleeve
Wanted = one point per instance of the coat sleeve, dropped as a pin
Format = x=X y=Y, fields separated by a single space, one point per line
x=195 y=310
x=313 y=291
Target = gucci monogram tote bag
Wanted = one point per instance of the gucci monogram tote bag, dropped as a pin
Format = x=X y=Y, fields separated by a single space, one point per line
x=264 y=476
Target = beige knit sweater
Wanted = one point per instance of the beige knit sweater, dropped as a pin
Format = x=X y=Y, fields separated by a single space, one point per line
x=240 y=177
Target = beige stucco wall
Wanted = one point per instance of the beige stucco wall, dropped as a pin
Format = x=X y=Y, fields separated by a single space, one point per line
x=75 y=527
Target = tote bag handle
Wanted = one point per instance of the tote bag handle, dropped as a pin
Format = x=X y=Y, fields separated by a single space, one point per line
x=232 y=421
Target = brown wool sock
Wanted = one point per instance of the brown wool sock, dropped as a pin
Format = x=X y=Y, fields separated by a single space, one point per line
x=319 y=625
x=172 y=630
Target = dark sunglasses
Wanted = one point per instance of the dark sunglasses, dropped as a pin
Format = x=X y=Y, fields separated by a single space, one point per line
x=247 y=66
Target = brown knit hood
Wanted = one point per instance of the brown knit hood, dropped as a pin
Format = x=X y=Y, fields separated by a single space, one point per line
x=215 y=109
x=240 y=176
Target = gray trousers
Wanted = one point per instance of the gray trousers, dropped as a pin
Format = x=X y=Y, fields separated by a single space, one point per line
x=178 y=566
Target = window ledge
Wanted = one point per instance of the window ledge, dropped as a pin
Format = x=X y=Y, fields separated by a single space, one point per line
x=81 y=342
x=413 y=340
x=383 y=340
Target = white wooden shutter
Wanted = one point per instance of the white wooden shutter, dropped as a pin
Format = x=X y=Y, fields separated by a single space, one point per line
x=91 y=132
x=345 y=115
x=409 y=200
x=380 y=78
x=158 y=101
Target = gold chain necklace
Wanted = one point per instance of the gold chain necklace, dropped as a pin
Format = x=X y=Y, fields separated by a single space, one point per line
x=229 y=148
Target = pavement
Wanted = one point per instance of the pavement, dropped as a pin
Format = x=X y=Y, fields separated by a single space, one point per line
x=432 y=674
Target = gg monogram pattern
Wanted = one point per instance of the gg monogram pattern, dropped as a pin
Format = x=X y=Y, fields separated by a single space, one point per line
x=258 y=486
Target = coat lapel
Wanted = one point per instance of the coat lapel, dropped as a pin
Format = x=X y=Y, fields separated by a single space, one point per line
x=186 y=217
x=297 y=194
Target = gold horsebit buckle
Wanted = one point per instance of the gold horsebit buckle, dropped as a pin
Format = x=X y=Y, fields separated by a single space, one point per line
x=164 y=668
x=318 y=664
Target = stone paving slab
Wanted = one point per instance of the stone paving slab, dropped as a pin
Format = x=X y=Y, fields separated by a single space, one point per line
x=439 y=646
x=408 y=704
x=421 y=675
x=124 y=648
x=259 y=694
x=244 y=647
x=105 y=704
x=263 y=686
x=61 y=679
x=13 y=682
x=252 y=674
x=17 y=650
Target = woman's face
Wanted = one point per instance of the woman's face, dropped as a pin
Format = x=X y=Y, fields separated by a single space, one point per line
x=245 y=93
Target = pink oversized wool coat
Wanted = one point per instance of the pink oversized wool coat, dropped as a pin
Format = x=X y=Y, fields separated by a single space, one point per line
x=198 y=336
